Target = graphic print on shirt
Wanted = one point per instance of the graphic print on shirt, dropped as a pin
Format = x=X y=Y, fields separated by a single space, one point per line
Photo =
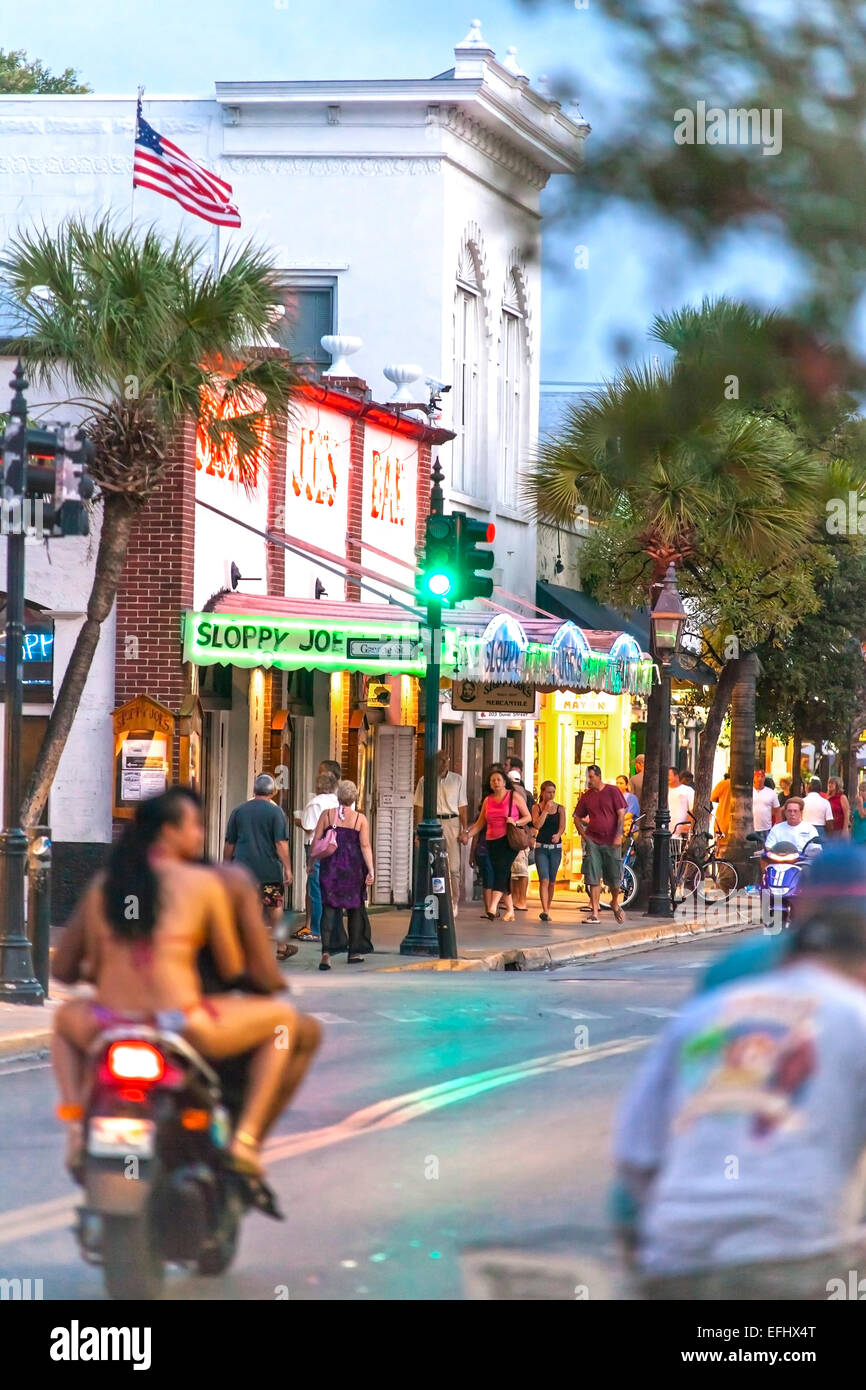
x=755 y=1059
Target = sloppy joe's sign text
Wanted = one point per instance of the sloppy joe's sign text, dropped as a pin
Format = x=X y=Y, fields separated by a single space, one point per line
x=379 y=649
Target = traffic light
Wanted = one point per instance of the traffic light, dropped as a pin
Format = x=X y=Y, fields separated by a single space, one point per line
x=470 y=535
x=57 y=478
x=438 y=577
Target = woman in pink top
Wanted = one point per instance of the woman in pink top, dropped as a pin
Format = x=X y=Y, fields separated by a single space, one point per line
x=502 y=805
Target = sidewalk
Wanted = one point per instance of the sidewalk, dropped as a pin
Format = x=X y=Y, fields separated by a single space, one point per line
x=526 y=944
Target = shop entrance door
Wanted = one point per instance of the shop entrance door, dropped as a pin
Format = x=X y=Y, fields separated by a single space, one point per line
x=215 y=767
x=392 y=817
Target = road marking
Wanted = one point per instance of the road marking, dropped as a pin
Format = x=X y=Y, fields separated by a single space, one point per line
x=26 y=1066
x=574 y=1013
x=25 y=1222
x=653 y=1013
x=330 y=1018
x=409 y=1016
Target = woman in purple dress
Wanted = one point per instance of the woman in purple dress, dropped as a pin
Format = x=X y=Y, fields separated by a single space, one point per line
x=344 y=877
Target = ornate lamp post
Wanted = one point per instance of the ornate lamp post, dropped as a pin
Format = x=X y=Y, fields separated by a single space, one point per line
x=667 y=620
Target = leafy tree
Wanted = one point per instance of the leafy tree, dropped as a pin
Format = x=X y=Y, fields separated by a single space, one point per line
x=143 y=333
x=805 y=62
x=18 y=73
x=813 y=686
x=676 y=470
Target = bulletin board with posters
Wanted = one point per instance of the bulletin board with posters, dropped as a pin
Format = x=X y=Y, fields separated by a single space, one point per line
x=143 y=747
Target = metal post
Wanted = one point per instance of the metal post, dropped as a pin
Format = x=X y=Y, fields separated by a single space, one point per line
x=659 y=904
x=18 y=984
x=39 y=901
x=431 y=928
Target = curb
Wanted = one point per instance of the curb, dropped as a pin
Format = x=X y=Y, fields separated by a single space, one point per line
x=564 y=952
x=34 y=1044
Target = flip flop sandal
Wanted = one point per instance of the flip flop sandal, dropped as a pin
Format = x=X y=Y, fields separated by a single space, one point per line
x=304 y=934
x=619 y=915
x=285 y=950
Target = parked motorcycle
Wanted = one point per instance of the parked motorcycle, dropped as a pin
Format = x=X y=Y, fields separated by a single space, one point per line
x=157 y=1181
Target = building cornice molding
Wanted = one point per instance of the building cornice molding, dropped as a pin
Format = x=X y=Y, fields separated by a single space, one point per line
x=472 y=132
x=353 y=165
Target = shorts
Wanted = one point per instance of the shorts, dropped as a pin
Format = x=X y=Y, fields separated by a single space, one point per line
x=547 y=861
x=273 y=894
x=602 y=862
x=520 y=867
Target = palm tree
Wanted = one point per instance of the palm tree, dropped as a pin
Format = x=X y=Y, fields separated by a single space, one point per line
x=677 y=473
x=140 y=334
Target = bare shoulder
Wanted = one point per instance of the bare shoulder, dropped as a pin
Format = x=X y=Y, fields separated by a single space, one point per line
x=236 y=878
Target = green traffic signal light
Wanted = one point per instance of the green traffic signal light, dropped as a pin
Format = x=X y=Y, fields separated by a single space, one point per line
x=440 y=563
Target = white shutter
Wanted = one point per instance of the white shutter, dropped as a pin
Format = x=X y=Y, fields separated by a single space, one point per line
x=303 y=786
x=392 y=834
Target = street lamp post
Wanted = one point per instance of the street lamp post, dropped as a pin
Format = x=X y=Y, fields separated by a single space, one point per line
x=18 y=984
x=431 y=927
x=667 y=620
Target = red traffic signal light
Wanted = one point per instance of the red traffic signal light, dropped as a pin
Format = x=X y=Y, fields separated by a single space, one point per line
x=470 y=535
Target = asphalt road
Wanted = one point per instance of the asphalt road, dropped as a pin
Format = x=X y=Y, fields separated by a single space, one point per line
x=445 y=1112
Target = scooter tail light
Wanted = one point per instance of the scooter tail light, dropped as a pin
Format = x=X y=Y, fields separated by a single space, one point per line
x=135 y=1061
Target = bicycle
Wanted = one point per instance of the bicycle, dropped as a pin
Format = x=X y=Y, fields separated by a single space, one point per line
x=718 y=877
x=628 y=882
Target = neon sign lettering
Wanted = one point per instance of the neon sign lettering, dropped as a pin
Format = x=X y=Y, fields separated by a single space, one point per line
x=314 y=476
x=386 y=501
x=222 y=462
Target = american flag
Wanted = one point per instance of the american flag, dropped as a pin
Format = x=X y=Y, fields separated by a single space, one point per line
x=161 y=165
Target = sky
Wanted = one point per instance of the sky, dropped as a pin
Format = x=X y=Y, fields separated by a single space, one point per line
x=594 y=317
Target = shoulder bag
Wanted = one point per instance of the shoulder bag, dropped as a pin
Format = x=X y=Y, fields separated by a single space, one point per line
x=517 y=835
x=326 y=845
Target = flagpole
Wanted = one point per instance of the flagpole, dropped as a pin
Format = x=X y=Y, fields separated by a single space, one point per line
x=134 y=136
x=216 y=250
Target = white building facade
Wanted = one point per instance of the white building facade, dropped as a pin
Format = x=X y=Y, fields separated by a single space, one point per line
x=403 y=211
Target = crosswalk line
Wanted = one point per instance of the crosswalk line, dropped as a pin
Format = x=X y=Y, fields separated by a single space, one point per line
x=331 y=1018
x=653 y=1013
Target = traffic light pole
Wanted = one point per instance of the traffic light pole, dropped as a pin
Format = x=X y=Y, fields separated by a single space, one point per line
x=431 y=928
x=18 y=984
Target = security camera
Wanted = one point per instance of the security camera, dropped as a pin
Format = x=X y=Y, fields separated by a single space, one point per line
x=438 y=388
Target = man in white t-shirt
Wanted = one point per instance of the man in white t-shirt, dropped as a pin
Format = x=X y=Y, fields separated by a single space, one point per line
x=681 y=799
x=765 y=805
x=325 y=799
x=816 y=808
x=451 y=808
x=793 y=830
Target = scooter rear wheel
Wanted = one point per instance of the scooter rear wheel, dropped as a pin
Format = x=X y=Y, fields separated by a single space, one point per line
x=132 y=1268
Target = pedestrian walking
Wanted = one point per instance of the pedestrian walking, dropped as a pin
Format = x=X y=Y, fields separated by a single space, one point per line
x=635 y=782
x=257 y=835
x=345 y=874
x=817 y=810
x=757 y=1081
x=632 y=803
x=451 y=811
x=520 y=867
x=325 y=799
x=548 y=820
x=720 y=796
x=785 y=785
x=599 y=817
x=858 y=816
x=840 y=806
x=478 y=856
x=765 y=805
x=502 y=807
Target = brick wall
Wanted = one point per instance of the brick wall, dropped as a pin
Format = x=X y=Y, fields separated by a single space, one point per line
x=156 y=585
x=276 y=556
x=356 y=504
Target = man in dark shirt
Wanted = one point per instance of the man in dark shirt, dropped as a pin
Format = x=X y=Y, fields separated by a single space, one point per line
x=599 y=816
x=257 y=835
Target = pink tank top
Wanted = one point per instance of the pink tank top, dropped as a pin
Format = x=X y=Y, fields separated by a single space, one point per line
x=497 y=815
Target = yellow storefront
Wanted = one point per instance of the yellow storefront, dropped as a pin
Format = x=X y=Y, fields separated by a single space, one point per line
x=573 y=732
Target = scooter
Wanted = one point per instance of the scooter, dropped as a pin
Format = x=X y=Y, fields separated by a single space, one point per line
x=158 y=1185
x=781 y=870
